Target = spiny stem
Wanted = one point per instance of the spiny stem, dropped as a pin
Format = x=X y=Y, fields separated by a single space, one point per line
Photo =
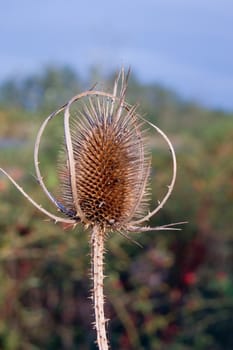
x=97 y=245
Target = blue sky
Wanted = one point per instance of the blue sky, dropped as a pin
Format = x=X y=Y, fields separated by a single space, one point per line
x=186 y=45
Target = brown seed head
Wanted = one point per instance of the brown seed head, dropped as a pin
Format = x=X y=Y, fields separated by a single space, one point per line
x=111 y=168
x=104 y=174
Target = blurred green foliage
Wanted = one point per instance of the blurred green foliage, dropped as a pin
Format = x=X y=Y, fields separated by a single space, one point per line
x=174 y=293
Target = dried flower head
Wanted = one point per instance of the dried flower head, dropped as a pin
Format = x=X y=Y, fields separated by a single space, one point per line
x=105 y=179
x=104 y=174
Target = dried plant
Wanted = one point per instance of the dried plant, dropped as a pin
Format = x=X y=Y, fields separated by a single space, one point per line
x=104 y=176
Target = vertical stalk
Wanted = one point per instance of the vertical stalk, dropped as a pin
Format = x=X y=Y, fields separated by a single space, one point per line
x=97 y=249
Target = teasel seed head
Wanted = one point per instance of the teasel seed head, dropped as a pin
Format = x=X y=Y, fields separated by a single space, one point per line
x=111 y=165
x=104 y=173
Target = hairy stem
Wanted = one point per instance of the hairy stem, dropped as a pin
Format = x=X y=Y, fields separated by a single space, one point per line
x=97 y=248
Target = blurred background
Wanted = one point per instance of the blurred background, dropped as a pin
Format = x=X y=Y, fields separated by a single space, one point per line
x=176 y=292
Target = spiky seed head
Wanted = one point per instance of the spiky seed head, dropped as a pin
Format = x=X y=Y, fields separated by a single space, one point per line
x=105 y=174
x=110 y=164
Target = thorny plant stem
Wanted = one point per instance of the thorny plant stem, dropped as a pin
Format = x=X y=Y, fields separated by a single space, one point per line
x=97 y=248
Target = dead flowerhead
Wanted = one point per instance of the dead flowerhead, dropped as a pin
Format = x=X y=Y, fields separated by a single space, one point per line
x=104 y=178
